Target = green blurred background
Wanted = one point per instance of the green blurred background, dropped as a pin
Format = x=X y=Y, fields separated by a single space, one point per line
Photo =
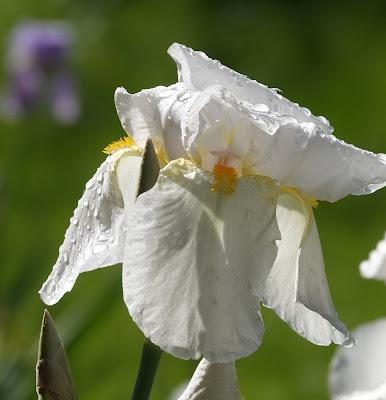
x=330 y=57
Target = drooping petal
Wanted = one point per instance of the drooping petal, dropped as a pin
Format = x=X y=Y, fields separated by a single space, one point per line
x=95 y=237
x=148 y=114
x=321 y=165
x=197 y=70
x=297 y=288
x=359 y=372
x=196 y=262
x=212 y=381
x=375 y=266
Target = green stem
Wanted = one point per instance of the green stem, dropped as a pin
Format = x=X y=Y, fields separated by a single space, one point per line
x=151 y=355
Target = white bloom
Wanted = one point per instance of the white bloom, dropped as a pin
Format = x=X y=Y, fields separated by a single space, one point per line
x=359 y=373
x=375 y=266
x=212 y=381
x=229 y=221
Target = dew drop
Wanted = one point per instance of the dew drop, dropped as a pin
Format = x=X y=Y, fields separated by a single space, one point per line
x=65 y=257
x=302 y=141
x=102 y=237
x=248 y=215
x=98 y=248
x=324 y=120
x=261 y=107
x=289 y=119
x=74 y=221
x=350 y=342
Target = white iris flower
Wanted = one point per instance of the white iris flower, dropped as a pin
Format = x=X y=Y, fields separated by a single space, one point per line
x=359 y=373
x=229 y=222
x=375 y=266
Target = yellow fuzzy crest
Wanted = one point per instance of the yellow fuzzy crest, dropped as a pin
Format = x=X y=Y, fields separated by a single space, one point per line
x=125 y=142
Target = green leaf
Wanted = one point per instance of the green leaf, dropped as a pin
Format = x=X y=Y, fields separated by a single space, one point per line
x=149 y=168
x=53 y=376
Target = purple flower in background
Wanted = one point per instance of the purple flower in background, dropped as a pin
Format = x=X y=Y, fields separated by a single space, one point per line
x=39 y=73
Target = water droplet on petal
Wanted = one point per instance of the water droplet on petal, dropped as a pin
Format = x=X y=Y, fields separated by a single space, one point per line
x=324 y=120
x=65 y=257
x=289 y=119
x=102 y=237
x=261 y=107
x=349 y=342
x=302 y=141
x=248 y=215
x=98 y=248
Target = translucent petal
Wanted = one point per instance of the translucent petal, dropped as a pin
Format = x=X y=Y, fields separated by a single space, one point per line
x=213 y=381
x=197 y=70
x=375 y=266
x=196 y=262
x=95 y=237
x=296 y=288
x=359 y=372
x=321 y=165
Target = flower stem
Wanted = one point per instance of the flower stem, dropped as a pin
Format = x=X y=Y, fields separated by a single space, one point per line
x=150 y=358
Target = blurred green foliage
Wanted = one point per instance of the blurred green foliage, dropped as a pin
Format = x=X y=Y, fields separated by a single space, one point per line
x=328 y=56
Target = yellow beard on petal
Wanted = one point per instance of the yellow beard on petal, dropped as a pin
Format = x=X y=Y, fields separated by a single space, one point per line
x=225 y=179
x=126 y=142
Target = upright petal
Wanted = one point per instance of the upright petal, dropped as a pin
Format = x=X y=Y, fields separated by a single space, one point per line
x=213 y=381
x=197 y=70
x=196 y=262
x=321 y=165
x=149 y=114
x=375 y=266
x=359 y=372
x=308 y=310
x=95 y=237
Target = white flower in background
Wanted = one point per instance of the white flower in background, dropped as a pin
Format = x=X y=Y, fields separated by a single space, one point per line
x=212 y=381
x=229 y=222
x=375 y=266
x=359 y=373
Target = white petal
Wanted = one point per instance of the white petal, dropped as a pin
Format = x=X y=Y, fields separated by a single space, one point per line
x=138 y=115
x=215 y=121
x=321 y=165
x=296 y=288
x=213 y=381
x=197 y=70
x=193 y=259
x=375 y=266
x=95 y=236
x=147 y=114
x=359 y=372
